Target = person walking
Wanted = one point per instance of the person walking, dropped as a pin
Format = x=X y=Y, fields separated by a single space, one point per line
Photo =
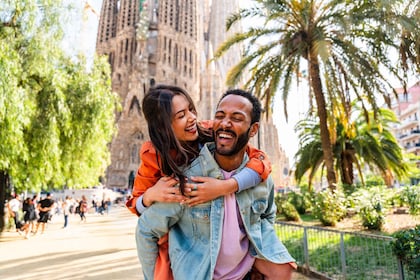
x=29 y=216
x=13 y=207
x=66 y=210
x=83 y=208
x=44 y=207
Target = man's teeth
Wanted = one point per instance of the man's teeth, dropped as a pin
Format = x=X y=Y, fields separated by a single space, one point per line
x=223 y=135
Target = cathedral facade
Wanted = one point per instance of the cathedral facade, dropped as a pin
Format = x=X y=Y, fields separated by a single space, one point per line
x=152 y=42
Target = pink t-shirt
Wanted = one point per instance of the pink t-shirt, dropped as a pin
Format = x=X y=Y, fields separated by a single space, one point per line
x=234 y=260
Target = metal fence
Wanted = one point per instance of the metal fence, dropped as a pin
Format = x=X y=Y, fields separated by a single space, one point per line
x=333 y=254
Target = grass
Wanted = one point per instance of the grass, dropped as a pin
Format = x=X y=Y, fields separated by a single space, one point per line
x=365 y=257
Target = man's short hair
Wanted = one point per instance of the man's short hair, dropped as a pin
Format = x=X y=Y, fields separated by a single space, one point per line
x=256 y=104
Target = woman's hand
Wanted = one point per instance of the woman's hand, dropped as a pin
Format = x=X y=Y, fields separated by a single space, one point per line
x=165 y=190
x=204 y=189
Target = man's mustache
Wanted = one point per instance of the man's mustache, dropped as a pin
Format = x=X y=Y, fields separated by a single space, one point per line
x=224 y=130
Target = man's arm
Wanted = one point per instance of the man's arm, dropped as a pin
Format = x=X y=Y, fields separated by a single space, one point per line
x=270 y=212
x=153 y=224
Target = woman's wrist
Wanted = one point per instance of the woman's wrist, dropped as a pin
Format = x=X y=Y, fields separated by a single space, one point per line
x=147 y=201
x=232 y=185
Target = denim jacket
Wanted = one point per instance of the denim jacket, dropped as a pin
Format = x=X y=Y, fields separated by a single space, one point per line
x=195 y=232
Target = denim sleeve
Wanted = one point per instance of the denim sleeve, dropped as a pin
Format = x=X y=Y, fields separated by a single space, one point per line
x=153 y=224
x=246 y=179
x=139 y=205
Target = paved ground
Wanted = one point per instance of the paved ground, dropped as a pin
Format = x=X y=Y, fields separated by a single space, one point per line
x=103 y=248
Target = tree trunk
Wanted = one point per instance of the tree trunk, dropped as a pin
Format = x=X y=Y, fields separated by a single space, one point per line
x=3 y=187
x=347 y=168
x=316 y=85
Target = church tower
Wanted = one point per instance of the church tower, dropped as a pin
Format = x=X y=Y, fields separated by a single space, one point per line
x=151 y=42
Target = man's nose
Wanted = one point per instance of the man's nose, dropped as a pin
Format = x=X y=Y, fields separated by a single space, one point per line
x=225 y=123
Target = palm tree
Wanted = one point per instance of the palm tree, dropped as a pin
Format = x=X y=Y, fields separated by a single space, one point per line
x=345 y=45
x=358 y=143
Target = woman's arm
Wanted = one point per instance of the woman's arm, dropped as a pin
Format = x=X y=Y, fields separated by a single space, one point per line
x=148 y=176
x=205 y=188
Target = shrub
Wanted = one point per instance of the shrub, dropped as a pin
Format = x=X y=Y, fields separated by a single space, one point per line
x=410 y=195
x=278 y=200
x=349 y=189
x=290 y=212
x=329 y=207
x=374 y=180
x=406 y=247
x=301 y=202
x=371 y=206
x=395 y=199
x=287 y=209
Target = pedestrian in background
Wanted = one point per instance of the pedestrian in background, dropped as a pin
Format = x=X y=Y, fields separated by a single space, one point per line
x=13 y=207
x=44 y=207
x=83 y=208
x=66 y=210
x=29 y=216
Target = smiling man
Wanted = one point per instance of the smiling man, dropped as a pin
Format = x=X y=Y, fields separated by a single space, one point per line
x=229 y=236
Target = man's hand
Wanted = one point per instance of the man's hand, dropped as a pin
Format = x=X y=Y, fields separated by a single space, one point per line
x=205 y=189
x=165 y=190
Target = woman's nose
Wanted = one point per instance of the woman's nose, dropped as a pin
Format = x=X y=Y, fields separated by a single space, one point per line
x=192 y=115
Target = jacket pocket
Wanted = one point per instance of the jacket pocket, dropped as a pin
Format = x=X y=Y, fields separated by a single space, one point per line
x=200 y=219
x=258 y=207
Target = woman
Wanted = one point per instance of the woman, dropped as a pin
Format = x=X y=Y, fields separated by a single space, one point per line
x=83 y=208
x=176 y=139
x=29 y=217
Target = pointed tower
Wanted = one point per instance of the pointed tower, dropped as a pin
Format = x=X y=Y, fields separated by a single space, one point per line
x=162 y=41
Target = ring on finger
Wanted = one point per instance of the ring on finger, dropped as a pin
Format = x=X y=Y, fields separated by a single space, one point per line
x=194 y=187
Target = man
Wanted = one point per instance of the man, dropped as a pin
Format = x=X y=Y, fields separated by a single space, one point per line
x=225 y=238
x=44 y=207
x=13 y=207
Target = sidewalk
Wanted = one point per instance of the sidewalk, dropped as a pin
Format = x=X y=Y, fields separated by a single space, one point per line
x=103 y=248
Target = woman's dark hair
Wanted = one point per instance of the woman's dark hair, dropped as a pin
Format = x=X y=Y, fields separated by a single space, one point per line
x=174 y=154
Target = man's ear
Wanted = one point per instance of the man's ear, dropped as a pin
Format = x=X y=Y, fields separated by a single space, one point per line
x=254 y=129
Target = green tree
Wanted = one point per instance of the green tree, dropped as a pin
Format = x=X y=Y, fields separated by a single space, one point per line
x=358 y=143
x=344 y=46
x=56 y=115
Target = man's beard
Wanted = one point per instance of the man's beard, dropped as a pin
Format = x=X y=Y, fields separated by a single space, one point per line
x=242 y=141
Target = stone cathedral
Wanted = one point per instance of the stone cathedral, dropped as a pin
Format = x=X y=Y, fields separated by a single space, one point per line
x=168 y=41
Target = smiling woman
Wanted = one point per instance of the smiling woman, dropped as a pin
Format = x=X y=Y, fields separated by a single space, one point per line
x=184 y=120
